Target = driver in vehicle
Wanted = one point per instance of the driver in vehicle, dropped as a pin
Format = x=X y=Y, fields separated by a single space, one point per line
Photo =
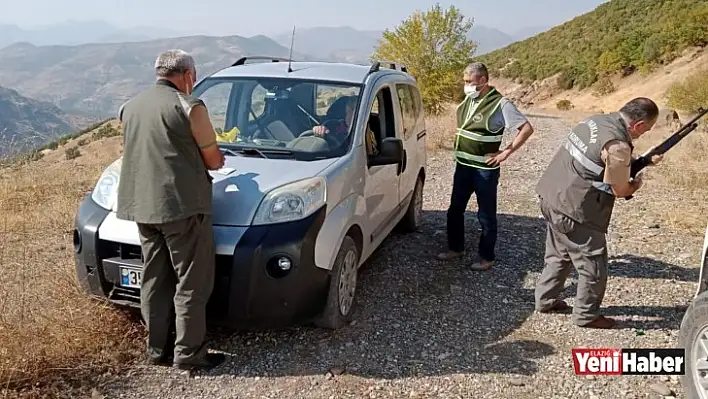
x=341 y=130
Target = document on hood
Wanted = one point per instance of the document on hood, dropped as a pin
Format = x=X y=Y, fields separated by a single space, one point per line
x=225 y=171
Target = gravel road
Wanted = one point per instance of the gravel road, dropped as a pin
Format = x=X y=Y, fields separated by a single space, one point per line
x=430 y=329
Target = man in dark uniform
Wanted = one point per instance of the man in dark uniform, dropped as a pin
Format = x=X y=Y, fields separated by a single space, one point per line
x=166 y=189
x=577 y=194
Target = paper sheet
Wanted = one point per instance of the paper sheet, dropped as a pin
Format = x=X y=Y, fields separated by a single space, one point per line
x=225 y=171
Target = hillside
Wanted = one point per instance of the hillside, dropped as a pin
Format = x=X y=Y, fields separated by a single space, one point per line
x=620 y=36
x=95 y=79
x=26 y=123
x=544 y=95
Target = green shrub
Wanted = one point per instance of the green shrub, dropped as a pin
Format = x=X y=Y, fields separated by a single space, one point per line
x=603 y=87
x=72 y=153
x=690 y=94
x=564 y=105
x=105 y=131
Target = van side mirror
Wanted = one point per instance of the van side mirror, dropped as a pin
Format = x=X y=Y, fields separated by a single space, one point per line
x=390 y=153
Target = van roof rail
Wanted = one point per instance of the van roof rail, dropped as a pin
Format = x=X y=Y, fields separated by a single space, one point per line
x=388 y=64
x=242 y=60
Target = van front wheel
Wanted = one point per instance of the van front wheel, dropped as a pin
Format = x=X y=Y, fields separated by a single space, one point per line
x=414 y=214
x=342 y=287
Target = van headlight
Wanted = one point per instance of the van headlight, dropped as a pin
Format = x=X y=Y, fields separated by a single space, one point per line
x=291 y=202
x=106 y=190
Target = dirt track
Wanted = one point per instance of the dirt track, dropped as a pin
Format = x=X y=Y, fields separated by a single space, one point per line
x=429 y=329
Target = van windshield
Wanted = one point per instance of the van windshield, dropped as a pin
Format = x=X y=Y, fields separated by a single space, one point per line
x=281 y=117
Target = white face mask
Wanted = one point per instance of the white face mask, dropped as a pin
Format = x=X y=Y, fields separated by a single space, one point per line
x=471 y=91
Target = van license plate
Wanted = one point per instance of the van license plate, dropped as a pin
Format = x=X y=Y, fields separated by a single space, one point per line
x=130 y=278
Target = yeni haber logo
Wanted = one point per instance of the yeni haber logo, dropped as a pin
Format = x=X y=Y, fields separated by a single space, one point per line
x=629 y=361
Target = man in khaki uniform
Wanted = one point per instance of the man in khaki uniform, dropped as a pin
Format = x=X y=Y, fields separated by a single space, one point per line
x=166 y=189
x=577 y=194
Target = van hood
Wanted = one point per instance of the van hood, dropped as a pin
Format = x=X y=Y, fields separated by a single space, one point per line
x=241 y=184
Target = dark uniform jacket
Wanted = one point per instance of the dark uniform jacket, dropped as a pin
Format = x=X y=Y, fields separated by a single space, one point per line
x=573 y=182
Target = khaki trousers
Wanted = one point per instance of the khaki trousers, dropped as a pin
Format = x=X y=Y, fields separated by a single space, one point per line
x=178 y=278
x=570 y=244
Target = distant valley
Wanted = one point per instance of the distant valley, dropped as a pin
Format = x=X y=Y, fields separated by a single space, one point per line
x=61 y=78
x=26 y=123
x=95 y=79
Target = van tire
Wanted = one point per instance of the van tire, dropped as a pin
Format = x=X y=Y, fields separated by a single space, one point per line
x=414 y=214
x=344 y=272
x=694 y=322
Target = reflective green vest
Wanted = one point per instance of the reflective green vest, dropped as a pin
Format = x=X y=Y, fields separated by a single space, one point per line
x=474 y=138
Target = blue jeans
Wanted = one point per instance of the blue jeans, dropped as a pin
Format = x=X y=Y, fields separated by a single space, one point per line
x=483 y=183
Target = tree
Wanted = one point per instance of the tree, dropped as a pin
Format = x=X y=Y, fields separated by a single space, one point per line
x=689 y=94
x=435 y=48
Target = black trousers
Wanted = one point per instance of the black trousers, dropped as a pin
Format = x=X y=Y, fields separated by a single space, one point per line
x=482 y=182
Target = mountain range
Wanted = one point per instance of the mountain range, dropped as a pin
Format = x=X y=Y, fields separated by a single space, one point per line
x=72 y=32
x=323 y=42
x=76 y=72
x=94 y=79
x=352 y=45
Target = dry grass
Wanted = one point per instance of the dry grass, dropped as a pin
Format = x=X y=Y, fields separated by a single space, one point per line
x=50 y=331
x=683 y=176
x=441 y=129
x=679 y=185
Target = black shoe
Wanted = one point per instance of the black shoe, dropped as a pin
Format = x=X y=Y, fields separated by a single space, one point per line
x=164 y=360
x=209 y=361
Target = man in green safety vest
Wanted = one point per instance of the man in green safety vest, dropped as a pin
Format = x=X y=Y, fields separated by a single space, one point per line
x=482 y=118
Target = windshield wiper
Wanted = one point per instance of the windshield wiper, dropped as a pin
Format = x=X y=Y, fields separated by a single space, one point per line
x=237 y=150
x=228 y=151
x=251 y=151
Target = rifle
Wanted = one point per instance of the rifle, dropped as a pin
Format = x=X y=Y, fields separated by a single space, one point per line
x=644 y=160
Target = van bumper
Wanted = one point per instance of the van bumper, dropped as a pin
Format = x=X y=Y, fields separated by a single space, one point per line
x=250 y=288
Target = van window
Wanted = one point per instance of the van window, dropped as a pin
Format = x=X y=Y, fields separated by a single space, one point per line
x=408 y=107
x=327 y=94
x=381 y=121
x=216 y=102
x=280 y=113
x=257 y=102
x=418 y=109
x=386 y=113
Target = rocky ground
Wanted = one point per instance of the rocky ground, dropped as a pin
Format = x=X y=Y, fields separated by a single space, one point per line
x=430 y=329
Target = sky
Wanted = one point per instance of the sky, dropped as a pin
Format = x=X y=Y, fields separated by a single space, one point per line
x=247 y=18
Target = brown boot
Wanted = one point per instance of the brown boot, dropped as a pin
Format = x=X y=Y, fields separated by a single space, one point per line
x=450 y=255
x=482 y=265
x=601 y=322
x=558 y=306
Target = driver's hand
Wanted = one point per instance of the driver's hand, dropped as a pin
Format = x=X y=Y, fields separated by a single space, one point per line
x=320 y=131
